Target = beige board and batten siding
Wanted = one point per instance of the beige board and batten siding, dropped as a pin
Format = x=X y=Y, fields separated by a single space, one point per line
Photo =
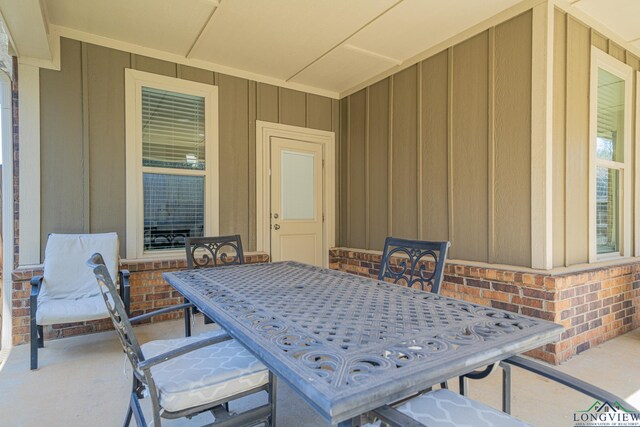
x=571 y=73
x=447 y=146
x=83 y=138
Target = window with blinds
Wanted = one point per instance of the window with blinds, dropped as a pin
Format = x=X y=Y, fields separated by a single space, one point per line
x=172 y=129
x=173 y=141
x=609 y=160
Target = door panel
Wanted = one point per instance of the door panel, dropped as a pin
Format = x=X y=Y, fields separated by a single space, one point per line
x=296 y=201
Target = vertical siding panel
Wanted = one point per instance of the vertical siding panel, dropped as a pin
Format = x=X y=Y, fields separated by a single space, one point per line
x=319 y=112
x=292 y=107
x=379 y=172
x=107 y=140
x=233 y=154
x=357 y=199
x=577 y=143
x=344 y=173
x=597 y=39
x=404 y=152
x=469 y=150
x=559 y=117
x=155 y=66
x=267 y=103
x=617 y=51
x=195 y=74
x=335 y=127
x=633 y=61
x=61 y=145
x=251 y=165
x=512 y=186
x=435 y=222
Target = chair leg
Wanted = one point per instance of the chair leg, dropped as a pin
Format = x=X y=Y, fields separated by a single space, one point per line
x=187 y=320
x=463 y=385
x=127 y=418
x=273 y=398
x=34 y=343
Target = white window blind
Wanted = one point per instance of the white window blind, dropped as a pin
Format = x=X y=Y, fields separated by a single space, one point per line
x=172 y=129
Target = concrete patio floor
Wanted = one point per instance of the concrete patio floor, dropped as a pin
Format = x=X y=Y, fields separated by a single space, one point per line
x=84 y=381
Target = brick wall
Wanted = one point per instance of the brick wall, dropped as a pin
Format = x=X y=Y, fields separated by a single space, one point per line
x=149 y=292
x=593 y=306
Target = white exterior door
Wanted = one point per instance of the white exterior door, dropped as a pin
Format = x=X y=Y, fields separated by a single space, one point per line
x=296 y=220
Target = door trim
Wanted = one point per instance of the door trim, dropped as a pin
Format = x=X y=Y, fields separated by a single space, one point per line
x=264 y=131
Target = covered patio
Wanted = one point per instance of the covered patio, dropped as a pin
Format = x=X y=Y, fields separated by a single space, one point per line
x=498 y=141
x=96 y=382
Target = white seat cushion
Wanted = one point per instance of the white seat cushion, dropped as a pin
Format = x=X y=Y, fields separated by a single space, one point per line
x=206 y=375
x=444 y=408
x=66 y=274
x=54 y=311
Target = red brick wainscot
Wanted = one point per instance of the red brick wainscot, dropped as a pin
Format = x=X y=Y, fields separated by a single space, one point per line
x=149 y=292
x=594 y=305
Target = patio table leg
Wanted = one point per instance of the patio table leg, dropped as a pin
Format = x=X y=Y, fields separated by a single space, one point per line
x=506 y=388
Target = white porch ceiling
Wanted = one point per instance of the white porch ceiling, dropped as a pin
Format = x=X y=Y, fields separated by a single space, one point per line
x=621 y=16
x=331 y=45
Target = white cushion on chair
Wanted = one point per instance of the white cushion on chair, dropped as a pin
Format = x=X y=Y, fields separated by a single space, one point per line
x=54 y=311
x=206 y=375
x=66 y=274
x=444 y=408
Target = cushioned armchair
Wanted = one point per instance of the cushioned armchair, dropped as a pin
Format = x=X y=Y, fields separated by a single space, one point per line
x=67 y=291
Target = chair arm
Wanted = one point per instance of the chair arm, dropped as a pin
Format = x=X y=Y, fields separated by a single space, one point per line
x=36 y=282
x=172 y=354
x=161 y=311
x=125 y=289
x=567 y=380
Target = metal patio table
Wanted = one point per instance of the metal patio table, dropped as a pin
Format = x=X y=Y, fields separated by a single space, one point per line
x=349 y=344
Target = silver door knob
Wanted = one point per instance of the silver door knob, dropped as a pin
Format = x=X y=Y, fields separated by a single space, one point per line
x=276 y=227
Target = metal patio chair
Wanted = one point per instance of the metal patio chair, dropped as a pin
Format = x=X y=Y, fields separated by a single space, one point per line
x=440 y=407
x=410 y=266
x=67 y=293
x=205 y=252
x=186 y=376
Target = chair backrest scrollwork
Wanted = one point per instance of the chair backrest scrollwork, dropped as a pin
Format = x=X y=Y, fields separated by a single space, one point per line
x=413 y=262
x=214 y=251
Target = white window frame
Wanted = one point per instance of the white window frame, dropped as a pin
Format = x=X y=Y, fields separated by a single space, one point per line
x=134 y=82
x=637 y=182
x=601 y=60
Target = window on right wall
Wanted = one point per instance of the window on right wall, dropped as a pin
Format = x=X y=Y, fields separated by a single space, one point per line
x=610 y=158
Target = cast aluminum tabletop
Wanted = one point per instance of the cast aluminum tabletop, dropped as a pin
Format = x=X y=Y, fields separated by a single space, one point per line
x=349 y=344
